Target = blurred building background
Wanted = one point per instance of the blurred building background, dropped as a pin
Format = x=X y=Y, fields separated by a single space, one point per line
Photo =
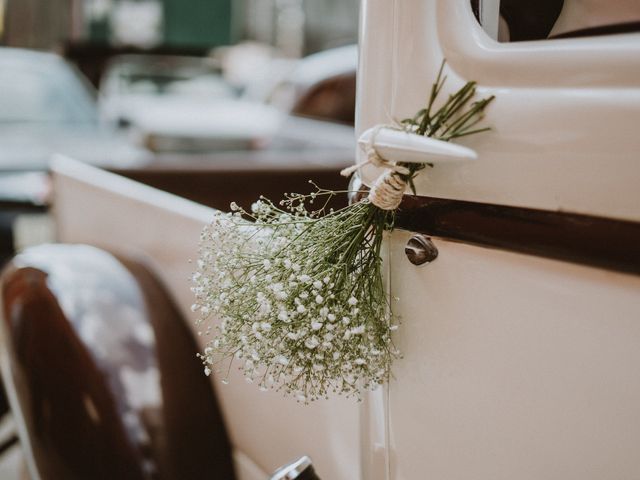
x=296 y=27
x=182 y=90
x=211 y=100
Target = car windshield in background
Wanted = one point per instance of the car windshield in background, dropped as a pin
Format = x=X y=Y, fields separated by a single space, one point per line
x=167 y=76
x=31 y=92
x=47 y=108
x=180 y=83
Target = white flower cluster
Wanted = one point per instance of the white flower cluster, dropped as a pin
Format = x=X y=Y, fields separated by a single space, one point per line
x=298 y=298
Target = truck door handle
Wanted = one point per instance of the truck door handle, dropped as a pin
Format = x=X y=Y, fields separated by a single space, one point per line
x=400 y=146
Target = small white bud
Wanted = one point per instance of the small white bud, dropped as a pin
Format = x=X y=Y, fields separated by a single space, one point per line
x=282 y=360
x=358 y=330
x=311 y=342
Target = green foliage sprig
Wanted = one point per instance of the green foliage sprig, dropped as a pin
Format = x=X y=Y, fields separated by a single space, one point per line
x=455 y=118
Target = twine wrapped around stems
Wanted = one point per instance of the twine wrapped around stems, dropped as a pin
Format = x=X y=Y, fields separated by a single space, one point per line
x=387 y=191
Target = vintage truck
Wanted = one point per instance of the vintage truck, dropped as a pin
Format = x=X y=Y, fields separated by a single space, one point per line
x=521 y=339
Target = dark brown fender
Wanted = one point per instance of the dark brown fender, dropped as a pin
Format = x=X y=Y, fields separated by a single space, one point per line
x=104 y=370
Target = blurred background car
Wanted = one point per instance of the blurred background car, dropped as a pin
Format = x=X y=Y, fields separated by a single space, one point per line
x=46 y=107
x=185 y=104
x=321 y=86
x=171 y=101
x=181 y=104
x=131 y=83
x=292 y=121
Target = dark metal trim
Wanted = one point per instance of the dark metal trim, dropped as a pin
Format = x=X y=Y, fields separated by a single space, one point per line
x=584 y=239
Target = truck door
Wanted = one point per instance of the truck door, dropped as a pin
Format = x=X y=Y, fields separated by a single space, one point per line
x=521 y=341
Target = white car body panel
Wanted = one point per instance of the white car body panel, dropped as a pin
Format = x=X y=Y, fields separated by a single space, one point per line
x=514 y=366
x=267 y=430
x=564 y=119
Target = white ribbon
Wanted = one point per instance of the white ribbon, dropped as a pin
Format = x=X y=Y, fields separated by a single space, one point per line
x=386 y=192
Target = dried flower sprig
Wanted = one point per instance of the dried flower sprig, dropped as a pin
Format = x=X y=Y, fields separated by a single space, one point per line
x=299 y=292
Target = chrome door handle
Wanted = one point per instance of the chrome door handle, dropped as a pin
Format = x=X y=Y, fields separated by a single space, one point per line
x=399 y=146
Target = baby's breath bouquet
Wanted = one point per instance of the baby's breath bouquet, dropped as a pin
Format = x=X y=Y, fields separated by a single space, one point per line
x=298 y=290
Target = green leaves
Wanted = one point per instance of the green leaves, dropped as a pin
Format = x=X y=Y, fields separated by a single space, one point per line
x=455 y=118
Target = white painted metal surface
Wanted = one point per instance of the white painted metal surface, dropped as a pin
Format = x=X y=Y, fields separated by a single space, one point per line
x=564 y=119
x=267 y=430
x=514 y=366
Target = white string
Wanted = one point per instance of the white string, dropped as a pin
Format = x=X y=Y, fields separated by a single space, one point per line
x=386 y=192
